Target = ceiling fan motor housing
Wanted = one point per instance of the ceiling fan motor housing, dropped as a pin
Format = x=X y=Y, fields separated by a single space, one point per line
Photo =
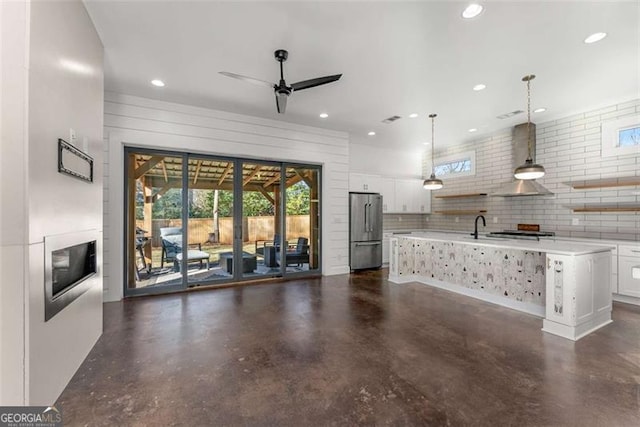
x=283 y=90
x=281 y=55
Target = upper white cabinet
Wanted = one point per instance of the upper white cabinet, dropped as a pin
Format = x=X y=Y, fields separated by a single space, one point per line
x=388 y=191
x=410 y=197
x=398 y=195
x=422 y=197
x=365 y=183
x=404 y=196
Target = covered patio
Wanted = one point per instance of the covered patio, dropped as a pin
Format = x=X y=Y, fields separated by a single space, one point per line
x=152 y=177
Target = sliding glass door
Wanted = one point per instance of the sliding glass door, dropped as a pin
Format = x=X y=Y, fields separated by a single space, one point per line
x=302 y=225
x=153 y=219
x=195 y=220
x=261 y=218
x=210 y=219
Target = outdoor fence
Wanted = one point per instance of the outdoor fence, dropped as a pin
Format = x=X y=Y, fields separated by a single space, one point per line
x=254 y=228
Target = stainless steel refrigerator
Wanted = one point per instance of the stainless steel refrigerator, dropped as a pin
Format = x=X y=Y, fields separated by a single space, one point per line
x=365 y=230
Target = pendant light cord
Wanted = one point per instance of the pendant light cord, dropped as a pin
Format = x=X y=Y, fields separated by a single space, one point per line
x=529 y=117
x=528 y=80
x=433 y=143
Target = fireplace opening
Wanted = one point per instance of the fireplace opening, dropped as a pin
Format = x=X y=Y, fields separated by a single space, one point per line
x=71 y=262
x=72 y=265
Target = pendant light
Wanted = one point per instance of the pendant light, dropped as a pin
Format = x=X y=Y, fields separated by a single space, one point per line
x=432 y=183
x=529 y=170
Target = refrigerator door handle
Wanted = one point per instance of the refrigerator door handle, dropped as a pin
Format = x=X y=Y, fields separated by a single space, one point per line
x=366 y=217
x=366 y=223
x=369 y=244
x=370 y=222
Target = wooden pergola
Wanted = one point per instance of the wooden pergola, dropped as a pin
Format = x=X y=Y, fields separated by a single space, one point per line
x=159 y=174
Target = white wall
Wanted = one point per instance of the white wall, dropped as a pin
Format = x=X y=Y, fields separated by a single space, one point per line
x=385 y=161
x=141 y=122
x=60 y=86
x=570 y=150
x=14 y=18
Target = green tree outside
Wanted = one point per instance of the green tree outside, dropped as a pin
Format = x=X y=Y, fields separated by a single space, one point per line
x=169 y=206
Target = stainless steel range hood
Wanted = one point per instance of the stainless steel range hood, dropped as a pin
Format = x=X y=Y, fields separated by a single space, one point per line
x=520 y=187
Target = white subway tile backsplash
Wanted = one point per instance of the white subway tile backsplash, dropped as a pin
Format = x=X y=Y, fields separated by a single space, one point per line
x=597 y=113
x=571 y=119
x=569 y=148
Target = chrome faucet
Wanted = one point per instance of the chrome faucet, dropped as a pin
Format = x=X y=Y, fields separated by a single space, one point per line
x=484 y=224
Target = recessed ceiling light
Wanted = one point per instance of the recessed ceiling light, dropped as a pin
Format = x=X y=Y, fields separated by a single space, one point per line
x=595 y=37
x=479 y=87
x=540 y=110
x=472 y=11
x=157 y=82
x=473 y=130
x=372 y=133
x=413 y=115
x=425 y=143
x=323 y=115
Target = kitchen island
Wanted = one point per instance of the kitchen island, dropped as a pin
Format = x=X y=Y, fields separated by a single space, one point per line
x=566 y=283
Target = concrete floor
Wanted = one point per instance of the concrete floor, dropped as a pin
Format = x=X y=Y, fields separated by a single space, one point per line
x=349 y=350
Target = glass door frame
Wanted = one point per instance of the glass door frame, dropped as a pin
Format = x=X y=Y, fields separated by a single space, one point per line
x=234 y=277
x=318 y=270
x=278 y=228
x=128 y=291
x=238 y=192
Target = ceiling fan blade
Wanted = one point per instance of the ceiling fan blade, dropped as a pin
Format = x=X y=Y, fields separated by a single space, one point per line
x=248 y=79
x=306 y=84
x=281 y=102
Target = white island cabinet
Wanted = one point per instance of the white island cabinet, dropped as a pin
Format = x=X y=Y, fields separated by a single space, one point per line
x=566 y=283
x=578 y=294
x=629 y=271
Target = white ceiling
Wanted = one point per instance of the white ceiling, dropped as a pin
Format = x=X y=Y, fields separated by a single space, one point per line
x=396 y=58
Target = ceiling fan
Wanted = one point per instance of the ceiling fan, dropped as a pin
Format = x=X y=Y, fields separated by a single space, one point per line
x=281 y=89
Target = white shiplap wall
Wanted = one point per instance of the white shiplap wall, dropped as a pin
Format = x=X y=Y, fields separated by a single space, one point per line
x=569 y=148
x=148 y=123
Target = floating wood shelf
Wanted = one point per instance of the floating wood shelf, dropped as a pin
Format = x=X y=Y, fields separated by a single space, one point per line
x=629 y=181
x=606 y=208
x=461 y=212
x=459 y=196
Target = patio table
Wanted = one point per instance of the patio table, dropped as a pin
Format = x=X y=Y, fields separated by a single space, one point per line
x=249 y=262
x=192 y=255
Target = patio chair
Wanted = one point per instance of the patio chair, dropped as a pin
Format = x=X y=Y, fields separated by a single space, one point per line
x=172 y=244
x=299 y=254
x=261 y=244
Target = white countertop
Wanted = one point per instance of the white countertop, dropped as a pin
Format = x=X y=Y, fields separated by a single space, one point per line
x=595 y=241
x=400 y=231
x=546 y=246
